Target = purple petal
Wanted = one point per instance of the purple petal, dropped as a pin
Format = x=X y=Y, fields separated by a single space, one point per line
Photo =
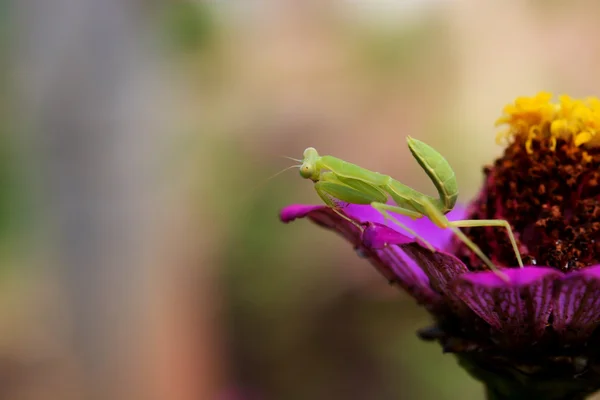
x=294 y=211
x=423 y=227
x=519 y=307
x=577 y=304
x=512 y=276
x=378 y=236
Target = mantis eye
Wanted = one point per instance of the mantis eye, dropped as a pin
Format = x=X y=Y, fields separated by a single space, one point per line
x=306 y=171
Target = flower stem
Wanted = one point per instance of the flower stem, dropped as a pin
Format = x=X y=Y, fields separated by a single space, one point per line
x=504 y=380
x=492 y=394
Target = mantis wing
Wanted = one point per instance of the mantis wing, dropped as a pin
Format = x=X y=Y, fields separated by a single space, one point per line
x=330 y=191
x=375 y=193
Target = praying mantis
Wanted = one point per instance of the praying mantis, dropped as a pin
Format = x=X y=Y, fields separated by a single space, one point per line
x=336 y=181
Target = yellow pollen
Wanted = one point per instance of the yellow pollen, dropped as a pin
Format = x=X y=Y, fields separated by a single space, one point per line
x=537 y=118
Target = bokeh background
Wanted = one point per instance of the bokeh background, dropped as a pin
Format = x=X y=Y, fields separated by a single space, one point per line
x=140 y=248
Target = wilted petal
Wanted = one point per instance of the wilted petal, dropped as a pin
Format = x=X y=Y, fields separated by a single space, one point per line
x=441 y=268
x=409 y=275
x=437 y=267
x=577 y=304
x=519 y=306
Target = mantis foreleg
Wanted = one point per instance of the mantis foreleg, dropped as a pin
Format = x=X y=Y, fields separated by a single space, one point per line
x=328 y=198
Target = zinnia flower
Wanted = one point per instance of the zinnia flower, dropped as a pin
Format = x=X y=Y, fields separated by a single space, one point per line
x=530 y=333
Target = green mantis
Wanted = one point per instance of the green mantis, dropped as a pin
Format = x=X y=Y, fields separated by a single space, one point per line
x=339 y=181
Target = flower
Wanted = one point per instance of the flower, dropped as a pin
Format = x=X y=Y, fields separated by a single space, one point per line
x=530 y=332
x=532 y=118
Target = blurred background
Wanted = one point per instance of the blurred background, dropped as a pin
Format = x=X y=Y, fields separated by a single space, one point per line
x=141 y=255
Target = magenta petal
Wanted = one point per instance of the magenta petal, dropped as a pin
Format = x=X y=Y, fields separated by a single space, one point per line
x=294 y=211
x=577 y=304
x=378 y=236
x=423 y=227
x=519 y=306
x=515 y=276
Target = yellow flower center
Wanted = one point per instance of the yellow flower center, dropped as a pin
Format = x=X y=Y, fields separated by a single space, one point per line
x=538 y=119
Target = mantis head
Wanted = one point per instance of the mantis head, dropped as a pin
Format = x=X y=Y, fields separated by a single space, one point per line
x=308 y=169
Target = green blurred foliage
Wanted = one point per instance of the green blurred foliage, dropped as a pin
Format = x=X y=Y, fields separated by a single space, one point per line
x=400 y=51
x=13 y=199
x=190 y=25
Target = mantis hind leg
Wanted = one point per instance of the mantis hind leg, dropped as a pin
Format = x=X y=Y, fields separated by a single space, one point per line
x=493 y=222
x=438 y=218
x=385 y=209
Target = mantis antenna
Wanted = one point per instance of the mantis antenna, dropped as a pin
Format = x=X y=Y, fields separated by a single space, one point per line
x=293 y=159
x=275 y=175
